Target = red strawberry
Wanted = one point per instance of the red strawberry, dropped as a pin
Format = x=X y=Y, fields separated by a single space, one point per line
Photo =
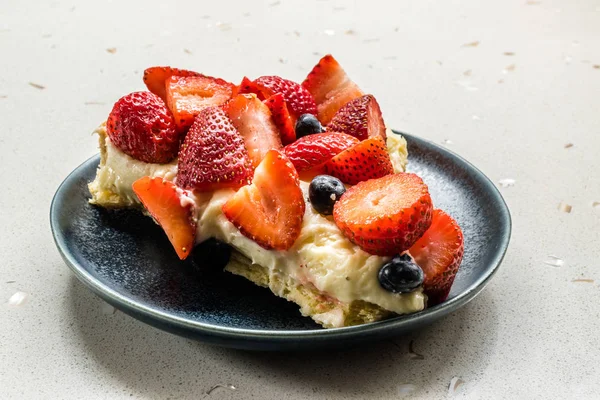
x=162 y=199
x=313 y=150
x=213 y=154
x=253 y=121
x=270 y=210
x=330 y=87
x=385 y=216
x=155 y=79
x=246 y=86
x=282 y=118
x=299 y=101
x=439 y=253
x=360 y=118
x=141 y=125
x=188 y=95
x=368 y=159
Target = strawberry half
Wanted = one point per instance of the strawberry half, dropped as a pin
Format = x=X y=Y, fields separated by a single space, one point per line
x=385 y=216
x=162 y=199
x=298 y=100
x=188 y=95
x=213 y=155
x=141 y=126
x=282 y=118
x=252 y=119
x=439 y=253
x=368 y=159
x=360 y=118
x=330 y=87
x=314 y=150
x=270 y=210
x=155 y=79
x=246 y=86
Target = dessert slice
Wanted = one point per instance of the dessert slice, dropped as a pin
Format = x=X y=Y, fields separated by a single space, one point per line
x=330 y=221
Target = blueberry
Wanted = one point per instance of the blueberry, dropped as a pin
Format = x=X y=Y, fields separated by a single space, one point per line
x=401 y=275
x=308 y=124
x=323 y=192
x=212 y=254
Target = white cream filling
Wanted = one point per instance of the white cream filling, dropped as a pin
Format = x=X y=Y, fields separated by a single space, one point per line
x=321 y=256
x=120 y=171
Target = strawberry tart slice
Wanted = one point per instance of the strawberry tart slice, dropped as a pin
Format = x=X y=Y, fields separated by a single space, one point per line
x=303 y=182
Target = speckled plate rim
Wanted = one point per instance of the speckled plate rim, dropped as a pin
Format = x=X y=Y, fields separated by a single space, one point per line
x=228 y=335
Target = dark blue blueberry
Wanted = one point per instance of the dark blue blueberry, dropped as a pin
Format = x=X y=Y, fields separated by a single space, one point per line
x=211 y=254
x=323 y=192
x=401 y=275
x=307 y=124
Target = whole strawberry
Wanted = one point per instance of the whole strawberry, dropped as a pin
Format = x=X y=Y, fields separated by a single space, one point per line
x=141 y=126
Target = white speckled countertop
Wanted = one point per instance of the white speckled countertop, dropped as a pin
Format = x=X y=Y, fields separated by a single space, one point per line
x=513 y=86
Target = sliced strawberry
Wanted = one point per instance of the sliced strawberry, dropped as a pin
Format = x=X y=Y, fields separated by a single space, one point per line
x=162 y=199
x=330 y=87
x=213 y=155
x=368 y=159
x=282 y=118
x=314 y=150
x=246 y=86
x=188 y=95
x=270 y=210
x=439 y=253
x=141 y=126
x=155 y=79
x=385 y=216
x=252 y=119
x=298 y=100
x=360 y=118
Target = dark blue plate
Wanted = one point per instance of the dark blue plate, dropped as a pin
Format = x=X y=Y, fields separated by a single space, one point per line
x=127 y=260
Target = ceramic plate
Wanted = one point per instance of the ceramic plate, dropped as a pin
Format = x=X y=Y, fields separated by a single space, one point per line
x=127 y=260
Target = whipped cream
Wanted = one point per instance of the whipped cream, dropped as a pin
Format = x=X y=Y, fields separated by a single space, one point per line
x=321 y=256
x=117 y=172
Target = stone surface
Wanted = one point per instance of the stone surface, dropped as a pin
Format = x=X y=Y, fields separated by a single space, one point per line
x=507 y=86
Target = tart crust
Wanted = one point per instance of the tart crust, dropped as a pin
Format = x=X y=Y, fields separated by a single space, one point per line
x=323 y=309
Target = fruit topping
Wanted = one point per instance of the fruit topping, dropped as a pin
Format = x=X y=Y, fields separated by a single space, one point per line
x=360 y=118
x=308 y=124
x=270 y=210
x=282 y=118
x=330 y=87
x=247 y=86
x=141 y=126
x=155 y=79
x=400 y=275
x=385 y=216
x=252 y=119
x=323 y=192
x=439 y=253
x=313 y=150
x=188 y=95
x=213 y=154
x=162 y=199
x=298 y=100
x=368 y=159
